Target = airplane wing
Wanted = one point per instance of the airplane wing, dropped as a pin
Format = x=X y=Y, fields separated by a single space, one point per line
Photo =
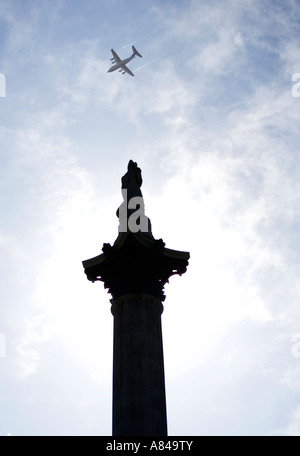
x=125 y=68
x=116 y=57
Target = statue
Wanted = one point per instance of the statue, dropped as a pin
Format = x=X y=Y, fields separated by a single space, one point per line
x=132 y=181
x=131 y=213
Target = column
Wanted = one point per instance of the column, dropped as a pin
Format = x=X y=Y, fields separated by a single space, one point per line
x=139 y=401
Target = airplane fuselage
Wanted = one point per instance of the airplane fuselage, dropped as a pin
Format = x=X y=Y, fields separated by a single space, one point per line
x=119 y=64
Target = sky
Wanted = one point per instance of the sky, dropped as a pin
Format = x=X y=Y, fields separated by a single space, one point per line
x=212 y=119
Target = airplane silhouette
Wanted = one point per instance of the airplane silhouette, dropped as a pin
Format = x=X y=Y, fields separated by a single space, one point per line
x=121 y=64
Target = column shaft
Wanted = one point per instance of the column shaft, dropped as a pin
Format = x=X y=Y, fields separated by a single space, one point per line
x=139 y=402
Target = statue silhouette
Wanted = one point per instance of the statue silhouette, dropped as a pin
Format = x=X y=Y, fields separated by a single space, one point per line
x=132 y=180
x=131 y=188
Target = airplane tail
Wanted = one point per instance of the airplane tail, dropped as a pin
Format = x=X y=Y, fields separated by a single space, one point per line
x=135 y=52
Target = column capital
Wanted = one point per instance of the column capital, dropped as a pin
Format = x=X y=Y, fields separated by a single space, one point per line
x=136 y=263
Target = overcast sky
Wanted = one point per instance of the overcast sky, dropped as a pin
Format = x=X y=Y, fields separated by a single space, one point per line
x=212 y=119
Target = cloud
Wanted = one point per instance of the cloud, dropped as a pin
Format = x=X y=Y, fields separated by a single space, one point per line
x=215 y=129
x=2 y=346
x=221 y=188
x=217 y=57
x=35 y=333
x=61 y=216
x=231 y=200
x=293 y=427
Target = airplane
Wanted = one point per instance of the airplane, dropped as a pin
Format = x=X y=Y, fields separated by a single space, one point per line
x=121 y=64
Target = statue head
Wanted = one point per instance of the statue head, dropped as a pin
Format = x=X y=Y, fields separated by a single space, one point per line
x=132 y=165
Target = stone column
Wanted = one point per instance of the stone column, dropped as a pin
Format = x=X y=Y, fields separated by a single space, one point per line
x=139 y=402
x=134 y=270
